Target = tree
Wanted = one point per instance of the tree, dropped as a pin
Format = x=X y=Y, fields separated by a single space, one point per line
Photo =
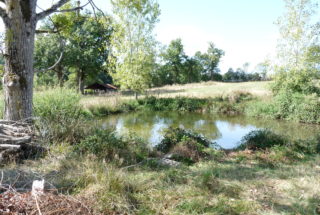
x=86 y=40
x=297 y=33
x=133 y=42
x=20 y=20
x=174 y=59
x=210 y=61
x=293 y=70
x=48 y=49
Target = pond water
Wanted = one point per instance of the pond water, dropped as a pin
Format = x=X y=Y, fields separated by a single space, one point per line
x=226 y=131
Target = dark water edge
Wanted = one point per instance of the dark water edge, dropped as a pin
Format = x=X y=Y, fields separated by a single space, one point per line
x=226 y=131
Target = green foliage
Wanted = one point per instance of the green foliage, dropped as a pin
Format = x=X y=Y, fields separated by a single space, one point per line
x=279 y=147
x=185 y=146
x=105 y=145
x=173 y=136
x=210 y=61
x=60 y=117
x=178 y=68
x=289 y=106
x=295 y=69
x=84 y=39
x=173 y=104
x=297 y=33
x=133 y=43
x=261 y=139
x=294 y=81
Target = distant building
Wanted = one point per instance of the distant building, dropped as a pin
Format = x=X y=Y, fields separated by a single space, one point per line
x=98 y=88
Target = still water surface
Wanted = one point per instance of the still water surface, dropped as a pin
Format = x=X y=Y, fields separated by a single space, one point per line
x=226 y=131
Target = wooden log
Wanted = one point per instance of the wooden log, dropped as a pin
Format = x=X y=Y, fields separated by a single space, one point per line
x=9 y=146
x=5 y=139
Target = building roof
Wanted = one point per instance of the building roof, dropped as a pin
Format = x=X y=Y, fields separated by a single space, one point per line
x=97 y=86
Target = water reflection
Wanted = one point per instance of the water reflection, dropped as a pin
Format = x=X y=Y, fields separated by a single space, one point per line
x=226 y=131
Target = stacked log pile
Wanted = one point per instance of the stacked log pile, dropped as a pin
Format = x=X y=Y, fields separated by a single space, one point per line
x=16 y=141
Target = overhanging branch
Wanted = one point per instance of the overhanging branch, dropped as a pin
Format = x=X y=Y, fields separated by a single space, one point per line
x=53 y=66
x=55 y=7
x=46 y=32
x=52 y=9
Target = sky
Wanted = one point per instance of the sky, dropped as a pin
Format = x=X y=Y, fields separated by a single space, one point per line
x=244 y=29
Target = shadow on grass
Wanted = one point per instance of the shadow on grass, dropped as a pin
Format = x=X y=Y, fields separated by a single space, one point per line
x=311 y=206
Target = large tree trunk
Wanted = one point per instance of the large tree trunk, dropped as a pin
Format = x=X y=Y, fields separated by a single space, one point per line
x=59 y=72
x=80 y=81
x=19 y=42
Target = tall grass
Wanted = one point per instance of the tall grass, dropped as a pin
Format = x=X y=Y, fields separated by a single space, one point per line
x=289 y=106
x=59 y=116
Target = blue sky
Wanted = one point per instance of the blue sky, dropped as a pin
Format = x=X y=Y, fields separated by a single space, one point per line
x=244 y=29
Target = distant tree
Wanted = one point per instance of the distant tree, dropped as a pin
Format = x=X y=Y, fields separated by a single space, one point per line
x=229 y=75
x=134 y=42
x=210 y=61
x=174 y=58
x=192 y=70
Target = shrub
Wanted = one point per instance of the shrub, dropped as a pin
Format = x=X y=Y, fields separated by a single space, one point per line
x=294 y=81
x=105 y=145
x=239 y=96
x=173 y=136
x=173 y=104
x=261 y=139
x=60 y=118
x=289 y=106
x=185 y=146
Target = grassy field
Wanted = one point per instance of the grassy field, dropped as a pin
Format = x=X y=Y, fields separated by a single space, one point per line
x=211 y=89
x=198 y=90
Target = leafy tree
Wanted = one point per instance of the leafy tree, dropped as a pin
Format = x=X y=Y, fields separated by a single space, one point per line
x=86 y=41
x=229 y=75
x=293 y=69
x=210 y=61
x=48 y=49
x=174 y=58
x=133 y=42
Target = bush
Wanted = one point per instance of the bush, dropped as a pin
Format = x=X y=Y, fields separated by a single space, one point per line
x=105 y=145
x=294 y=81
x=261 y=139
x=59 y=116
x=173 y=104
x=185 y=146
x=290 y=106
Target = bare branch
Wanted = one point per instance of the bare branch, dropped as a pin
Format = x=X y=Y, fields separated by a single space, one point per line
x=52 y=9
x=53 y=66
x=72 y=9
x=55 y=7
x=46 y=32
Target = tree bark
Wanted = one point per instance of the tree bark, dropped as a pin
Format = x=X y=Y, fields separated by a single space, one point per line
x=19 y=43
x=80 y=81
x=59 y=72
x=20 y=19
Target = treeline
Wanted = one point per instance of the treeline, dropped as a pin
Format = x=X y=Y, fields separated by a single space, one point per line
x=96 y=47
x=176 y=67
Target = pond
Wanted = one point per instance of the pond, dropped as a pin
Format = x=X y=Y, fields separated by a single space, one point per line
x=226 y=131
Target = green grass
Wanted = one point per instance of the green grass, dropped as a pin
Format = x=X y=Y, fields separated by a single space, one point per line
x=114 y=103
x=239 y=183
x=117 y=176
